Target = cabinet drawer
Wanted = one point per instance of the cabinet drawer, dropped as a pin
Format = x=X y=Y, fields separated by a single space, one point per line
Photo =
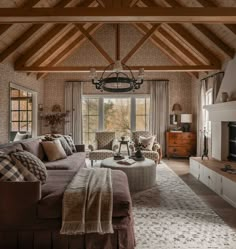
x=179 y=151
x=182 y=135
x=180 y=142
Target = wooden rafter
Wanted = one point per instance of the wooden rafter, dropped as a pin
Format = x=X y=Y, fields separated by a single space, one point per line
x=26 y=35
x=29 y=4
x=207 y=32
x=169 y=52
x=210 y=3
x=50 y=35
x=179 y=46
x=95 y=44
x=41 y=42
x=111 y=15
x=117 y=41
x=71 y=48
x=140 y=43
x=186 y=36
x=168 y=68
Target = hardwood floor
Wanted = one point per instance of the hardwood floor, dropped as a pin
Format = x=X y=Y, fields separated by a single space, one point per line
x=220 y=206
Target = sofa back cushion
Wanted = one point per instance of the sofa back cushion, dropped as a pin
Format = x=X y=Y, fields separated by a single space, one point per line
x=34 y=147
x=105 y=140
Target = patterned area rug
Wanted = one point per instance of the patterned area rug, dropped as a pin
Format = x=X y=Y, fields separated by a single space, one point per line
x=171 y=215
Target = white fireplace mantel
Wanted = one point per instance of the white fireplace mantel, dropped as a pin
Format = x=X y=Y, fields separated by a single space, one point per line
x=222 y=112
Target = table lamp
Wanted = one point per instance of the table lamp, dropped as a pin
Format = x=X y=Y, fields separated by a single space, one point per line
x=186 y=120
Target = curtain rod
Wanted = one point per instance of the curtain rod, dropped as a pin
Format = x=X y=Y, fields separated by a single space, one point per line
x=212 y=75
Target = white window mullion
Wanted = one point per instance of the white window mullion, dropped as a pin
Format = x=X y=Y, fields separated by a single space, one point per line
x=101 y=114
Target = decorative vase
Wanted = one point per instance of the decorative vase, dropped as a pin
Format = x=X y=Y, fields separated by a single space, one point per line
x=138 y=154
x=224 y=97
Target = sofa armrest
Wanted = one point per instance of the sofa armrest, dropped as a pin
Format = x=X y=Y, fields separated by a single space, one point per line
x=18 y=203
x=80 y=147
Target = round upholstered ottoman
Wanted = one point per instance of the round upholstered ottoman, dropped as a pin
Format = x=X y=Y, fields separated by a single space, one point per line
x=141 y=175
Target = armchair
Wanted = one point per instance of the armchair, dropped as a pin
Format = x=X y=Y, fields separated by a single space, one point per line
x=104 y=146
x=155 y=154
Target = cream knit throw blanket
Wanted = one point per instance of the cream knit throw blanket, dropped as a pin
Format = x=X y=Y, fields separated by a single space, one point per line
x=88 y=202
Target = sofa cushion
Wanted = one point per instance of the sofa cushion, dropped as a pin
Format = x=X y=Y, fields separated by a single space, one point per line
x=50 y=205
x=32 y=163
x=54 y=150
x=8 y=149
x=34 y=147
x=8 y=171
x=73 y=162
x=70 y=142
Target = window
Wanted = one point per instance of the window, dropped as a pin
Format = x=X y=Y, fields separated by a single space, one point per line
x=209 y=101
x=114 y=113
x=142 y=114
x=90 y=119
x=117 y=115
x=21 y=108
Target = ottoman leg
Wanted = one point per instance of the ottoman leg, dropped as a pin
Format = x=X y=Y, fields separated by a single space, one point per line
x=92 y=163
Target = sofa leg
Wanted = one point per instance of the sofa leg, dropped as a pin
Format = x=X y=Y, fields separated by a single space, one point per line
x=92 y=163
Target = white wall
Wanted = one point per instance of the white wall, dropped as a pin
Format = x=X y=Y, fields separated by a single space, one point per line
x=229 y=81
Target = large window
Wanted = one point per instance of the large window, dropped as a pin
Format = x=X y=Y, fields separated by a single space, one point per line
x=114 y=113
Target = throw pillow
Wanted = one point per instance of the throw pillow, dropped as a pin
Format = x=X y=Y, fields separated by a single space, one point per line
x=64 y=144
x=20 y=136
x=146 y=143
x=70 y=142
x=8 y=171
x=28 y=176
x=54 y=150
x=32 y=163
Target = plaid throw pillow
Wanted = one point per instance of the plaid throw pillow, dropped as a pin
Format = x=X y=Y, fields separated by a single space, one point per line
x=64 y=144
x=32 y=163
x=8 y=171
x=70 y=142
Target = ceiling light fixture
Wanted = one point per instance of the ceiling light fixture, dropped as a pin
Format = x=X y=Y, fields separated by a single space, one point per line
x=117 y=77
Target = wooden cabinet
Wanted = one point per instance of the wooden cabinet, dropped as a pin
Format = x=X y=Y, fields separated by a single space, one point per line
x=180 y=144
x=209 y=173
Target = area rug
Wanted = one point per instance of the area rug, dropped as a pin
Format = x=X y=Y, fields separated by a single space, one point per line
x=171 y=215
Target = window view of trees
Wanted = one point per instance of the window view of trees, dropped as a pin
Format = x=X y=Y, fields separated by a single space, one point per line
x=114 y=114
x=117 y=115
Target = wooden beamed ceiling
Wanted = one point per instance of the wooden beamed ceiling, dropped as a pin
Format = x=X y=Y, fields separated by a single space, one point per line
x=57 y=44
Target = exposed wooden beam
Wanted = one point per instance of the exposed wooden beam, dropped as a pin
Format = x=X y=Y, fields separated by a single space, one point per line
x=187 y=37
x=210 y=3
x=169 y=52
x=65 y=53
x=215 y=39
x=179 y=46
x=140 y=43
x=168 y=68
x=117 y=41
x=111 y=15
x=190 y=39
x=207 y=32
x=95 y=44
x=41 y=42
x=46 y=56
x=27 y=34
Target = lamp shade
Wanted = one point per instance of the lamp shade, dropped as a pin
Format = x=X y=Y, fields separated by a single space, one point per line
x=176 y=108
x=186 y=118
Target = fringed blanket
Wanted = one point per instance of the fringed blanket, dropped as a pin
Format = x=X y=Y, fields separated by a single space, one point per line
x=88 y=202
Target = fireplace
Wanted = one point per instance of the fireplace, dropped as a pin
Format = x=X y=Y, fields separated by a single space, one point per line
x=232 y=141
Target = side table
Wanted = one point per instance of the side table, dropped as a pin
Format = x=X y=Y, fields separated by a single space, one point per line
x=127 y=144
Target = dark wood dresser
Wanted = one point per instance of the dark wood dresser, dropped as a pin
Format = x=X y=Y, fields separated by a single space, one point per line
x=180 y=144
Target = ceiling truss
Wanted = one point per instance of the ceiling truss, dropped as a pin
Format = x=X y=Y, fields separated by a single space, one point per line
x=191 y=58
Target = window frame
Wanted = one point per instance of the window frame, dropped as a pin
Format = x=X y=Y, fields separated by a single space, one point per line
x=34 y=116
x=112 y=96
